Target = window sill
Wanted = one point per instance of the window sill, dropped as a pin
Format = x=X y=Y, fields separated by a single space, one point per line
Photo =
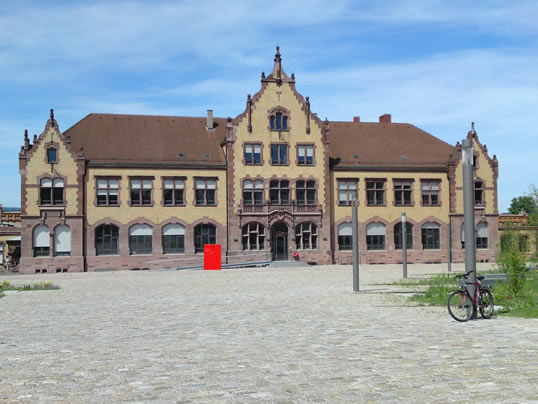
x=205 y=206
x=170 y=205
x=108 y=206
x=380 y=205
x=140 y=205
x=174 y=253
x=107 y=255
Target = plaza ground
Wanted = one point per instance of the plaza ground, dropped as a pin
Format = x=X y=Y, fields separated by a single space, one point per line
x=254 y=335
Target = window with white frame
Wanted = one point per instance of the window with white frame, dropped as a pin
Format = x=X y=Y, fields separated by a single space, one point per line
x=253 y=153
x=141 y=192
x=108 y=191
x=62 y=241
x=347 y=191
x=430 y=193
x=51 y=191
x=253 y=192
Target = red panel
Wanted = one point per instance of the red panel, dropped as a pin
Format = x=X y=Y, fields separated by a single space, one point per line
x=212 y=257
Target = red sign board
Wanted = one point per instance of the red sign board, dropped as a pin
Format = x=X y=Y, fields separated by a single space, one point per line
x=212 y=257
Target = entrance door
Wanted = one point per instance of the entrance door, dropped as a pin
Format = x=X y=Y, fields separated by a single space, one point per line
x=279 y=241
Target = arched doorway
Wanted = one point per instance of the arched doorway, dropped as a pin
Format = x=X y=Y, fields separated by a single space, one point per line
x=279 y=241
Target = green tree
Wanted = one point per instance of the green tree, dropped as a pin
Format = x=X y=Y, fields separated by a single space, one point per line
x=525 y=203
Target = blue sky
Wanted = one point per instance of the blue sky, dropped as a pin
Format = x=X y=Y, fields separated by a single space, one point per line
x=436 y=64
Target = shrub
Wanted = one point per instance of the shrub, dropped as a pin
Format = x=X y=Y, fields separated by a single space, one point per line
x=512 y=262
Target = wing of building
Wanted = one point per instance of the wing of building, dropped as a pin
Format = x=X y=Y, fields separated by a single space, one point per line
x=274 y=183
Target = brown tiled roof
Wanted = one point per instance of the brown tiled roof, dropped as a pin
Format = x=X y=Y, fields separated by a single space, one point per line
x=143 y=139
x=385 y=145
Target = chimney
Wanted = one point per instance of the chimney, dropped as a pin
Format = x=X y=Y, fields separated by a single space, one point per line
x=385 y=118
x=356 y=119
x=210 y=120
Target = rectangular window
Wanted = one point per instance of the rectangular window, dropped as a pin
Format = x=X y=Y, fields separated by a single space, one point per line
x=174 y=244
x=375 y=192
x=108 y=191
x=430 y=193
x=253 y=153
x=345 y=243
x=140 y=245
x=376 y=242
x=141 y=192
x=347 y=191
x=173 y=191
x=279 y=154
x=305 y=155
x=51 y=156
x=305 y=192
x=279 y=192
x=431 y=239
x=403 y=192
x=205 y=192
x=479 y=193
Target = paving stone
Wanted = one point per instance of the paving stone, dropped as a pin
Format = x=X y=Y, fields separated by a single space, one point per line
x=254 y=335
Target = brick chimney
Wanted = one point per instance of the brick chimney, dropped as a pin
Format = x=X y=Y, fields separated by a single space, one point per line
x=385 y=118
x=356 y=119
x=210 y=119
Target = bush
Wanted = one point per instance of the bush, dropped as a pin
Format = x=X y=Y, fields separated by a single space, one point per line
x=512 y=262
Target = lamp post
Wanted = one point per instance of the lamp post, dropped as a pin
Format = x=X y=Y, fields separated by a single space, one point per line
x=404 y=244
x=355 y=241
x=468 y=216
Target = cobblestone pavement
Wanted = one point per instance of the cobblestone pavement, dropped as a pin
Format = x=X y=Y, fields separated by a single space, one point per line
x=253 y=335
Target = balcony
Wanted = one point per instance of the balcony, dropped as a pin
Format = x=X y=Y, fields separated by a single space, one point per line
x=269 y=208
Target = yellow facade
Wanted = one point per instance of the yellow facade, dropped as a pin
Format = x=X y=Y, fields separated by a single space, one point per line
x=157 y=213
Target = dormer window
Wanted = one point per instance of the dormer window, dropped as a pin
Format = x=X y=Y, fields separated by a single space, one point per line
x=278 y=121
x=51 y=155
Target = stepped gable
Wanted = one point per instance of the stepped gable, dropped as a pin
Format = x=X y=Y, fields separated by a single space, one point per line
x=132 y=139
x=387 y=145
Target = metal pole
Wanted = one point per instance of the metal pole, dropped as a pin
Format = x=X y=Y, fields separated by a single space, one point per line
x=468 y=215
x=355 y=241
x=404 y=244
x=449 y=245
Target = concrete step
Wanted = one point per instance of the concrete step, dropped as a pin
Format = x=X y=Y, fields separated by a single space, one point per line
x=287 y=264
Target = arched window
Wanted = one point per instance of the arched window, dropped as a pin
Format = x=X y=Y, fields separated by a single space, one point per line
x=375 y=236
x=204 y=233
x=173 y=239
x=51 y=191
x=345 y=239
x=306 y=236
x=253 y=236
x=279 y=191
x=278 y=121
x=398 y=240
x=62 y=241
x=140 y=239
x=482 y=235
x=253 y=192
x=305 y=192
x=107 y=240
x=431 y=236
x=41 y=239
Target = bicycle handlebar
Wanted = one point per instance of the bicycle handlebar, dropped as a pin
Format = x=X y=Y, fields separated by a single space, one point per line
x=465 y=275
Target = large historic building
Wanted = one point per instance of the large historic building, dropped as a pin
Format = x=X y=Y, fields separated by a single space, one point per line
x=274 y=183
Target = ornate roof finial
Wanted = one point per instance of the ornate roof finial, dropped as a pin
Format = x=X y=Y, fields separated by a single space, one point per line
x=26 y=140
x=25 y=134
x=326 y=122
x=263 y=75
x=52 y=114
x=35 y=138
x=293 y=76
x=277 y=70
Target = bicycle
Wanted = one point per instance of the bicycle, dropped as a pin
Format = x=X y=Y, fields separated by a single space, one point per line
x=461 y=304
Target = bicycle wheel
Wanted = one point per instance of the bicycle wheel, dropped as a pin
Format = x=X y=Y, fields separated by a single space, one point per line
x=485 y=303
x=460 y=306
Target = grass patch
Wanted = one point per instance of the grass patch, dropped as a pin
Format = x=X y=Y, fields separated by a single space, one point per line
x=6 y=285
x=436 y=289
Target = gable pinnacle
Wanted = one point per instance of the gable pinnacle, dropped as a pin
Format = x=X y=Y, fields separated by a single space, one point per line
x=277 y=69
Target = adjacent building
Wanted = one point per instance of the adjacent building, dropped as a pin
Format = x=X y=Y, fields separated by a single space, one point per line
x=274 y=183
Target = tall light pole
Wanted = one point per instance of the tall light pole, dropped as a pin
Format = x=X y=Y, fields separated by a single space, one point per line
x=404 y=244
x=355 y=241
x=468 y=216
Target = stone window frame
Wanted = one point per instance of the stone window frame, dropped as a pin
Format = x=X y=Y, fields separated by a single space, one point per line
x=260 y=237
x=52 y=204
x=287 y=145
x=313 y=232
x=196 y=249
x=152 y=197
x=282 y=110
x=95 y=188
x=480 y=240
x=410 y=231
x=297 y=163
x=482 y=203
x=206 y=178
x=39 y=252
x=306 y=181
x=411 y=181
x=439 y=200
x=54 y=239
x=131 y=253
x=245 y=144
x=371 y=243
x=52 y=145
x=174 y=178
x=384 y=180
x=349 y=239
x=117 y=240
x=347 y=180
x=253 y=180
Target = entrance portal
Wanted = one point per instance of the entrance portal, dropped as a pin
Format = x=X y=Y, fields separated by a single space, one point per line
x=279 y=241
